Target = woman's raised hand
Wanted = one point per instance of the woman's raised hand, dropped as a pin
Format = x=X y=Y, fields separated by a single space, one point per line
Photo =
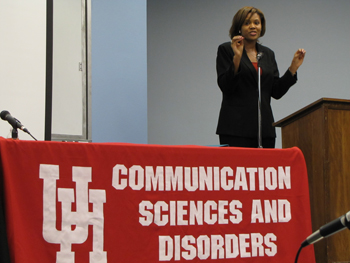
x=237 y=45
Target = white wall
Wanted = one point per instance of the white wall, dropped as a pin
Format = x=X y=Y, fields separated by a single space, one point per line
x=67 y=80
x=119 y=68
x=183 y=36
x=22 y=64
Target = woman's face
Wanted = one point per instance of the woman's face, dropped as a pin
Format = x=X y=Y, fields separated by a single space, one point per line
x=251 y=28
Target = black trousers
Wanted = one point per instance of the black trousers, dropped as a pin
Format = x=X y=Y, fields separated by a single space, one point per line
x=235 y=141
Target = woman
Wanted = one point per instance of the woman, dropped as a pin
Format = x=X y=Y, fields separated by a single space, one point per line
x=237 y=77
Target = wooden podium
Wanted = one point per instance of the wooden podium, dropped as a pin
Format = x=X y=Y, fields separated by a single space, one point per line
x=322 y=132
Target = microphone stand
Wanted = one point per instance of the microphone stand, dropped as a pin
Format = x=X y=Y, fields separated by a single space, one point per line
x=14 y=134
x=258 y=57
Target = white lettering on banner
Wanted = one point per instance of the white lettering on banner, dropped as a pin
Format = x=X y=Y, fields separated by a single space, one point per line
x=228 y=246
x=81 y=218
x=278 y=210
x=75 y=224
x=200 y=178
x=197 y=212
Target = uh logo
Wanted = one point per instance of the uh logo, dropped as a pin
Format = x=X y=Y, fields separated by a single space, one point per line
x=81 y=218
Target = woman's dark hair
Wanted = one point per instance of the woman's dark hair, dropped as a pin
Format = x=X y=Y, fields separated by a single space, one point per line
x=241 y=16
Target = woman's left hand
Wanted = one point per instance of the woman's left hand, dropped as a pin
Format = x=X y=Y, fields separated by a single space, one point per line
x=298 y=59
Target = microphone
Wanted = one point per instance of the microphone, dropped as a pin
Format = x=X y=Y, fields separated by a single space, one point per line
x=6 y=116
x=259 y=55
x=328 y=229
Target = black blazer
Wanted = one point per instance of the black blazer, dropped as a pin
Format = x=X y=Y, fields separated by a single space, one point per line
x=239 y=107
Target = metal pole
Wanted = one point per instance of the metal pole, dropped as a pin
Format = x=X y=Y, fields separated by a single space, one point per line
x=258 y=57
x=259 y=109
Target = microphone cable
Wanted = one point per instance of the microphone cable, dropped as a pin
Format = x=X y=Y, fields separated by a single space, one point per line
x=298 y=253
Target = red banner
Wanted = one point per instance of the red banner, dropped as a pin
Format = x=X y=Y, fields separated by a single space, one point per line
x=95 y=202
